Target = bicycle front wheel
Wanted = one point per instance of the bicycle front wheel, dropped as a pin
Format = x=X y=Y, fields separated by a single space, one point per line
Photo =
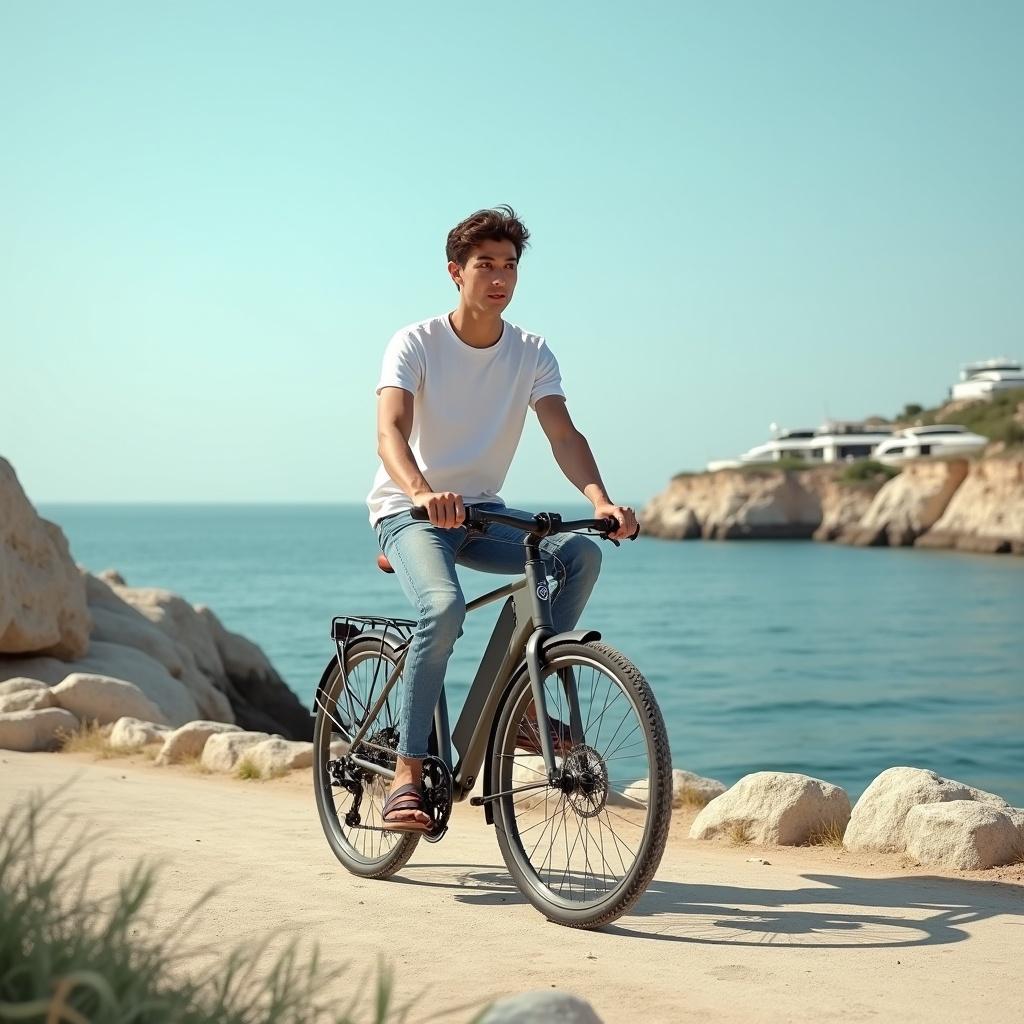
x=580 y=850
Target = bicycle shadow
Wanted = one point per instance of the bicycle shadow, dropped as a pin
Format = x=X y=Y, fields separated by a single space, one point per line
x=892 y=912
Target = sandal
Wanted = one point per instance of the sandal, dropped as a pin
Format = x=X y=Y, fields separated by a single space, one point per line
x=528 y=736
x=405 y=798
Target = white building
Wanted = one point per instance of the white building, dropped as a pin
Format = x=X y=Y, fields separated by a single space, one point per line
x=983 y=380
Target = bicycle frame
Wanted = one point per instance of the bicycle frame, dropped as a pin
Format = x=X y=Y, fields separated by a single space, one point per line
x=523 y=630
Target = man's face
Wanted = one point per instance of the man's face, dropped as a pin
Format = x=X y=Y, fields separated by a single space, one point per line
x=489 y=277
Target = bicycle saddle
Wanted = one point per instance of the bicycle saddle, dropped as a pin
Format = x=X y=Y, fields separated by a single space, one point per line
x=383 y=564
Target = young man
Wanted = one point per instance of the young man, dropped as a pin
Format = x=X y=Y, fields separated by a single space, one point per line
x=452 y=400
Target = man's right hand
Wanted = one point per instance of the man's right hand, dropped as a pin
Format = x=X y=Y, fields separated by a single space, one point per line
x=445 y=508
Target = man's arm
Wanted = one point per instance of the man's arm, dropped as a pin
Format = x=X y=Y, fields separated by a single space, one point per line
x=575 y=459
x=394 y=427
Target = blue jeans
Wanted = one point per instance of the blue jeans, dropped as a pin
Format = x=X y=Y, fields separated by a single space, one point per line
x=424 y=559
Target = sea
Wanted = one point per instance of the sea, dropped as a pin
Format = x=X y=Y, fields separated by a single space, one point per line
x=832 y=661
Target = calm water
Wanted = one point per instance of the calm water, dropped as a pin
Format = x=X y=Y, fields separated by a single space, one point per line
x=821 y=659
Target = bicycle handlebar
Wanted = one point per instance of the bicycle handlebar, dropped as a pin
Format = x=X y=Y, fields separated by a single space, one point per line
x=543 y=524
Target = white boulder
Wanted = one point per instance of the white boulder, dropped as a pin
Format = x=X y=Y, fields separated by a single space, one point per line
x=103 y=699
x=186 y=742
x=774 y=808
x=541 y=1008
x=223 y=751
x=687 y=789
x=35 y=730
x=962 y=834
x=878 y=821
x=42 y=598
x=277 y=756
x=25 y=695
x=130 y=733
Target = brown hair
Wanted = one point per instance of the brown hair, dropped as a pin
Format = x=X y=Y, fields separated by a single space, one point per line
x=497 y=225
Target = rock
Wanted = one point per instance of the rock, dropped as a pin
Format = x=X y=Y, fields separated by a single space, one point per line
x=223 y=751
x=774 y=808
x=687 y=789
x=42 y=599
x=962 y=834
x=129 y=733
x=27 y=699
x=45 y=670
x=18 y=684
x=878 y=821
x=229 y=676
x=736 y=504
x=117 y=622
x=909 y=504
x=35 y=730
x=102 y=699
x=527 y=768
x=844 y=505
x=277 y=756
x=187 y=742
x=541 y=1008
x=260 y=697
x=987 y=512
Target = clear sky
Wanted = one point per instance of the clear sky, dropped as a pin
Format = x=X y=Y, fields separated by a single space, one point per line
x=214 y=215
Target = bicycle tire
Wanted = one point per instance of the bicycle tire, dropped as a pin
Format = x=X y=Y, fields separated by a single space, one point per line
x=512 y=813
x=354 y=848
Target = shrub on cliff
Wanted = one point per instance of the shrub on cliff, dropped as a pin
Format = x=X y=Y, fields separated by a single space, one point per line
x=867 y=471
x=997 y=418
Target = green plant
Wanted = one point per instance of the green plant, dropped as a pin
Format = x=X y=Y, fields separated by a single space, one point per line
x=866 y=470
x=248 y=769
x=68 y=956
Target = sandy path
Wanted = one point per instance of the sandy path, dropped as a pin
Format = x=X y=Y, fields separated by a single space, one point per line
x=815 y=935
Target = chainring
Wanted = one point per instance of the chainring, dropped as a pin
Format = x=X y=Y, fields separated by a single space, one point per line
x=437 y=796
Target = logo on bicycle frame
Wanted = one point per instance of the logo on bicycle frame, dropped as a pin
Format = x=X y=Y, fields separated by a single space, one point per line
x=542 y=591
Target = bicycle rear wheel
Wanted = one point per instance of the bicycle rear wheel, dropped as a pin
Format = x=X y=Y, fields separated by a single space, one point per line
x=581 y=851
x=344 y=703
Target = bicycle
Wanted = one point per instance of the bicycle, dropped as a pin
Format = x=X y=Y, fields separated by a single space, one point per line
x=576 y=846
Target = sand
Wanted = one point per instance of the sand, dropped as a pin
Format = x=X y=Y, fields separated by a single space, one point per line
x=816 y=934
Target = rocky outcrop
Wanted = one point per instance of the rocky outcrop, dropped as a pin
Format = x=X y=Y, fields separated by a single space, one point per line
x=774 y=808
x=42 y=598
x=987 y=512
x=879 y=819
x=25 y=695
x=908 y=505
x=57 y=620
x=758 y=503
x=844 y=505
x=735 y=505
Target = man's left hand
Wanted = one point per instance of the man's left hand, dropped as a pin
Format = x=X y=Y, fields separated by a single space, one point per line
x=625 y=515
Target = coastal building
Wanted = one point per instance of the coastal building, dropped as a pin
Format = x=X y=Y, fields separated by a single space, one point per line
x=983 y=380
x=833 y=441
x=935 y=440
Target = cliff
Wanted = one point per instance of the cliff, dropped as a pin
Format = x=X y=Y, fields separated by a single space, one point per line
x=757 y=504
x=971 y=505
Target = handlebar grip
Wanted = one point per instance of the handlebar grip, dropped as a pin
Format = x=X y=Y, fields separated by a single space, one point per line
x=419 y=513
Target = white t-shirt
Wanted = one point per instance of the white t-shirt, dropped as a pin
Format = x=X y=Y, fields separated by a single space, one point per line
x=469 y=408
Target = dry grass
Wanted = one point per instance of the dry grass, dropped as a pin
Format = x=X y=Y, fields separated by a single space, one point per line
x=88 y=738
x=828 y=835
x=687 y=797
x=195 y=763
x=738 y=833
x=248 y=769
